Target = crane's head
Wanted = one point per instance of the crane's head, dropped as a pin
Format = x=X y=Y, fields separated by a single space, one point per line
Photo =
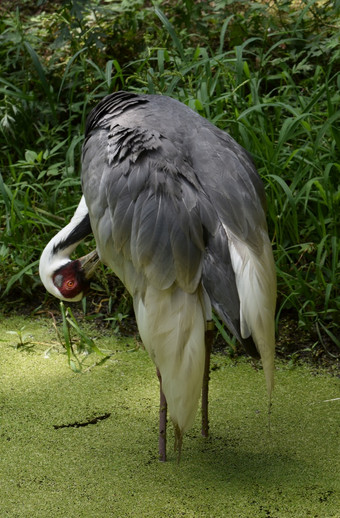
x=67 y=280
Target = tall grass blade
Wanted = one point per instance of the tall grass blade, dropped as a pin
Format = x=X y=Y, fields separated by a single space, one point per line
x=44 y=83
x=171 y=31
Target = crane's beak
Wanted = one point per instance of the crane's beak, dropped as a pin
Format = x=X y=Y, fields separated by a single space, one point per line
x=89 y=263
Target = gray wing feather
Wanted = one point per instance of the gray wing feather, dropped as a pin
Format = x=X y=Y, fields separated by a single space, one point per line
x=150 y=244
x=155 y=223
x=217 y=266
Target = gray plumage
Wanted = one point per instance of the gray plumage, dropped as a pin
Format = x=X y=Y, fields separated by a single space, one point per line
x=162 y=184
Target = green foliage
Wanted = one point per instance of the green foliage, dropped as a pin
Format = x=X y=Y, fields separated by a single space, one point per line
x=265 y=72
x=77 y=351
x=24 y=341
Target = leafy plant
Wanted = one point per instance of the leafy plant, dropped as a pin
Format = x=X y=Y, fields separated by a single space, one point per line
x=24 y=340
x=77 y=350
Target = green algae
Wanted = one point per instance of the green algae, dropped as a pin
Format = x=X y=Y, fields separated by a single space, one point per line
x=111 y=469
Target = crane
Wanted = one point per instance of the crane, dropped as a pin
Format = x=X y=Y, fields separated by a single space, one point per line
x=177 y=210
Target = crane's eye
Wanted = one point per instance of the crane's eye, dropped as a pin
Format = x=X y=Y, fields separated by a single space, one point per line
x=70 y=284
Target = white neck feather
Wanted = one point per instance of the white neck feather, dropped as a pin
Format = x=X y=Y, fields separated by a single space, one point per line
x=51 y=260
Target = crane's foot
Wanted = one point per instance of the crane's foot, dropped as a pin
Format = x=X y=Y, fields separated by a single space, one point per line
x=209 y=337
x=163 y=407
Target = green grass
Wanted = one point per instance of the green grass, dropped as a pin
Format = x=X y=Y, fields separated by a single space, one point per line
x=269 y=76
x=110 y=469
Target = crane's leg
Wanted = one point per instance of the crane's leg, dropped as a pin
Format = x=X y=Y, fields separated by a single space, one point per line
x=163 y=406
x=209 y=336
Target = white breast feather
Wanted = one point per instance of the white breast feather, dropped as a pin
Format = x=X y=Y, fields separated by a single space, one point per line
x=171 y=324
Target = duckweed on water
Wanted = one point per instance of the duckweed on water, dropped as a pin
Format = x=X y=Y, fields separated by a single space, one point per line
x=110 y=468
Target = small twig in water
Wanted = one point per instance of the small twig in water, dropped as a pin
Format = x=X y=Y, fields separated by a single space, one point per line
x=94 y=420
